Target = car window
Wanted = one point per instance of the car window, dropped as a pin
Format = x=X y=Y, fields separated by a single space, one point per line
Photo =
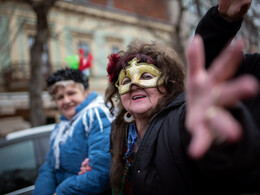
x=17 y=166
x=42 y=147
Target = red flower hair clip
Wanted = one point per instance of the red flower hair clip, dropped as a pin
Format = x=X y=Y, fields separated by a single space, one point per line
x=111 y=67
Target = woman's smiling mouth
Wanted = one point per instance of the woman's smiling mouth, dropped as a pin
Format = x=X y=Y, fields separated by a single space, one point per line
x=138 y=97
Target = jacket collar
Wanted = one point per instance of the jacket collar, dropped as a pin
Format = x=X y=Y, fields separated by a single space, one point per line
x=178 y=100
x=151 y=134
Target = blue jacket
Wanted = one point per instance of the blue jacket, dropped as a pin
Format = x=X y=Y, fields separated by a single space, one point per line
x=86 y=135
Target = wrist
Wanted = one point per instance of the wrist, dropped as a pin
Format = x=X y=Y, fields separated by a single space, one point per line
x=225 y=16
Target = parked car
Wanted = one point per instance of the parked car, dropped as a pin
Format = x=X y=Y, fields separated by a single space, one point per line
x=22 y=153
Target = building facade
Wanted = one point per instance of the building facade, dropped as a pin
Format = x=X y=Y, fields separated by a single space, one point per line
x=100 y=27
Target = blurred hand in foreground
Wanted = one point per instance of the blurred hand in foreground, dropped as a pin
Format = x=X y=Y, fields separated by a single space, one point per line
x=210 y=93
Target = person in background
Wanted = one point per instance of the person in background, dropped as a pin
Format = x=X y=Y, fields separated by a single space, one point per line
x=217 y=28
x=83 y=132
x=167 y=141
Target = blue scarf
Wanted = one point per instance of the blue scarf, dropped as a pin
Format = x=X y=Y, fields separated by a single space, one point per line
x=131 y=141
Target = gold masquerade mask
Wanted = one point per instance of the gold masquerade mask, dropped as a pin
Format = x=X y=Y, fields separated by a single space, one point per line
x=133 y=75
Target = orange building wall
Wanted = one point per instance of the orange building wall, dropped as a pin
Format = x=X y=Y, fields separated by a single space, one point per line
x=151 y=8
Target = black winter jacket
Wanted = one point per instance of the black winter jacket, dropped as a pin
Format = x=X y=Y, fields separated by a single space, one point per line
x=162 y=166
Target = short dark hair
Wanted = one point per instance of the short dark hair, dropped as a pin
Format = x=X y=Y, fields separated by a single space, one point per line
x=65 y=75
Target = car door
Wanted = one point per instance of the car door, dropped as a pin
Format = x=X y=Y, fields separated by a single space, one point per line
x=20 y=160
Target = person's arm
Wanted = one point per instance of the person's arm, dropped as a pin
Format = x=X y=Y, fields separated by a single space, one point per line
x=97 y=180
x=216 y=33
x=217 y=28
x=210 y=95
x=251 y=65
x=224 y=141
x=220 y=24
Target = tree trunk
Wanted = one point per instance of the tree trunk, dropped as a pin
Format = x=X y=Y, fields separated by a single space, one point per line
x=37 y=115
x=41 y=9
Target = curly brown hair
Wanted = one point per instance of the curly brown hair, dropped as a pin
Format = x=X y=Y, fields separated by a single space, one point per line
x=172 y=68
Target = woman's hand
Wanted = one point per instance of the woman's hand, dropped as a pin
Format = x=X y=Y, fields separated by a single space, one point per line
x=233 y=10
x=85 y=167
x=209 y=93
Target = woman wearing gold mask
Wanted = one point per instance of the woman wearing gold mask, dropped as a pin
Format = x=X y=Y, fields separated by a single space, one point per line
x=162 y=145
